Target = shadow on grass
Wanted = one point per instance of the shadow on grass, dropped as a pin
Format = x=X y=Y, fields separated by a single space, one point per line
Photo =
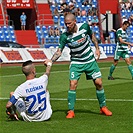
x=77 y=111
x=123 y=78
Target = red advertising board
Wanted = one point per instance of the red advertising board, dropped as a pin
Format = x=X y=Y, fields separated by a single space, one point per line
x=19 y=4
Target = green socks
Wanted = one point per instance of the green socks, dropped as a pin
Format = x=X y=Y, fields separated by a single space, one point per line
x=101 y=97
x=112 y=68
x=130 y=67
x=71 y=99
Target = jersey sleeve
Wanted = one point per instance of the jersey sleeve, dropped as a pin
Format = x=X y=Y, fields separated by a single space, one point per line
x=119 y=33
x=62 y=41
x=17 y=93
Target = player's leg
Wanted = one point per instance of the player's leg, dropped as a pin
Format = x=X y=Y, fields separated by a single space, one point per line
x=48 y=108
x=113 y=66
x=11 y=112
x=74 y=76
x=94 y=73
x=72 y=98
x=130 y=66
x=101 y=97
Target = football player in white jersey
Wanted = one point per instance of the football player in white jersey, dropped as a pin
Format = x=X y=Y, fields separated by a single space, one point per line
x=82 y=61
x=31 y=99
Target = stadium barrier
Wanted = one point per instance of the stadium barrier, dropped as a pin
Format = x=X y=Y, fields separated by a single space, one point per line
x=16 y=55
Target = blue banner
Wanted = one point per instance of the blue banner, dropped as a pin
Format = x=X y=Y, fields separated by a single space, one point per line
x=109 y=49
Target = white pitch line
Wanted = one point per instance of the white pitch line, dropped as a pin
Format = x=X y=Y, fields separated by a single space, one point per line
x=80 y=99
x=5 y=76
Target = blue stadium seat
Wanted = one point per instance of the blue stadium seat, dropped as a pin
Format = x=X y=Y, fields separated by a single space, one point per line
x=7 y=38
x=83 y=19
x=47 y=40
x=56 y=39
x=52 y=39
x=131 y=27
x=89 y=17
x=12 y=32
x=6 y=33
x=96 y=28
x=10 y=28
x=123 y=13
x=82 y=7
x=1 y=32
x=5 y=28
x=78 y=19
x=61 y=18
x=52 y=7
x=38 y=28
x=128 y=13
x=44 y=28
x=87 y=7
x=40 y=39
x=13 y=38
x=56 y=18
x=2 y=38
x=44 y=33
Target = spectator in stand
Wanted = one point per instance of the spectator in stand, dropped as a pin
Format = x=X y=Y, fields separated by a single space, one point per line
x=127 y=5
x=122 y=4
x=64 y=9
x=77 y=12
x=130 y=19
x=83 y=12
x=51 y=2
x=23 y=21
x=89 y=12
x=71 y=7
x=56 y=13
x=51 y=31
x=85 y=3
x=57 y=31
x=89 y=22
x=124 y=19
x=95 y=21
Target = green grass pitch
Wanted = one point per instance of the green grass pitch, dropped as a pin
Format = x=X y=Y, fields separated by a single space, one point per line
x=119 y=98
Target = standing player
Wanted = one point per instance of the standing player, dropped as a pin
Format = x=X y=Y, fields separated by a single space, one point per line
x=31 y=98
x=122 y=50
x=23 y=21
x=82 y=60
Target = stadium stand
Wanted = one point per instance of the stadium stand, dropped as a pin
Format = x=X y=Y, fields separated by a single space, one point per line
x=42 y=19
x=126 y=13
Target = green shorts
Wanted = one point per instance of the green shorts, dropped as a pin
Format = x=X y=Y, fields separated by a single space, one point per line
x=91 y=70
x=121 y=54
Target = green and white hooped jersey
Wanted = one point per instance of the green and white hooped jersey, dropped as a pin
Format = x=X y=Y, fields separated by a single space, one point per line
x=79 y=44
x=121 y=33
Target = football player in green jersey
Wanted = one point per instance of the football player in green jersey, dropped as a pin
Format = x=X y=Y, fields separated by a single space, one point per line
x=82 y=60
x=122 y=50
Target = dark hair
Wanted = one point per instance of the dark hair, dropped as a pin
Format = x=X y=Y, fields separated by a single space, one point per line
x=25 y=69
x=125 y=23
x=29 y=62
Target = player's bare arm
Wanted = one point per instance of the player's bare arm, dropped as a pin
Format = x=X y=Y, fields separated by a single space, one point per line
x=48 y=63
x=56 y=55
x=8 y=105
x=123 y=42
x=94 y=40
